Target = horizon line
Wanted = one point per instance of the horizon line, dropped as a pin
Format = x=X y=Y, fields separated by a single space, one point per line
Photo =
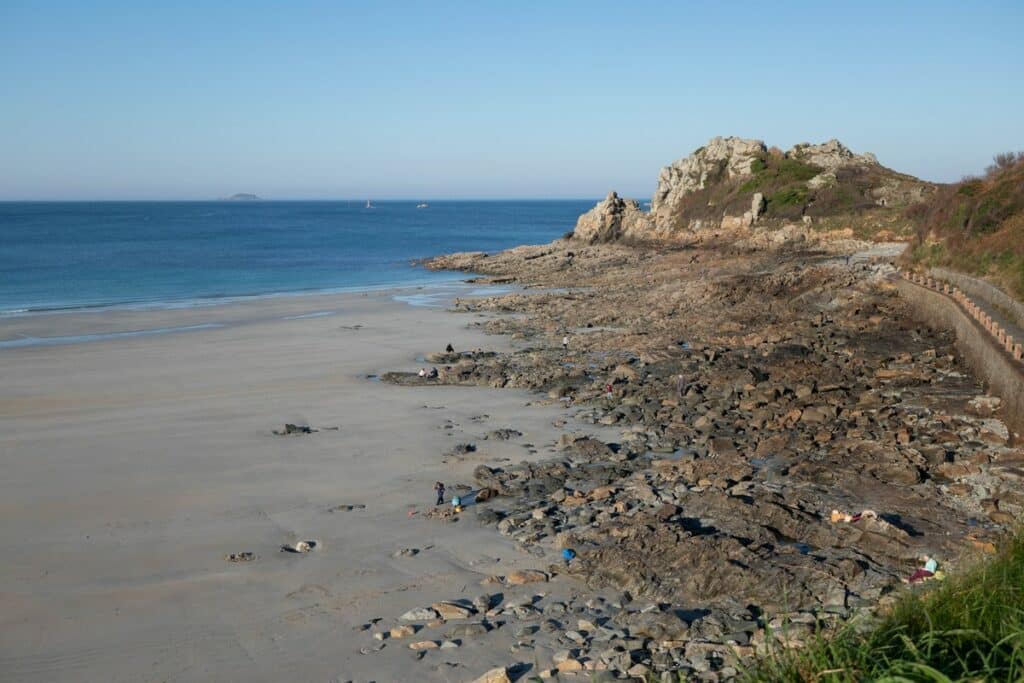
x=259 y=199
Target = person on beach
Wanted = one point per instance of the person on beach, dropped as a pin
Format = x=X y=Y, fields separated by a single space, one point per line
x=449 y=348
x=439 y=490
x=423 y=372
x=565 y=343
x=608 y=390
x=680 y=385
x=433 y=373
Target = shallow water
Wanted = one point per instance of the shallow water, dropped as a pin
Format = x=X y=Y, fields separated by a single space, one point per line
x=75 y=255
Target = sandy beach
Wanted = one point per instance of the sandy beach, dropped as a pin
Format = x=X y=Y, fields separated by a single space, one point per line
x=695 y=445
x=133 y=464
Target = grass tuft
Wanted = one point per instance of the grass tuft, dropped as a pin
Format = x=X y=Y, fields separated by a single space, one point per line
x=968 y=628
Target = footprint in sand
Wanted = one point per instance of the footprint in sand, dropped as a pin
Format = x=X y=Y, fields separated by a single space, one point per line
x=348 y=508
x=310 y=590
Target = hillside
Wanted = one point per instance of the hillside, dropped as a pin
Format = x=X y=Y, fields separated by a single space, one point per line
x=735 y=184
x=741 y=186
x=977 y=225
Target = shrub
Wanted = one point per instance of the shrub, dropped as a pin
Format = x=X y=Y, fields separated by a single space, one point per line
x=1004 y=162
x=787 y=204
x=981 y=222
x=970 y=187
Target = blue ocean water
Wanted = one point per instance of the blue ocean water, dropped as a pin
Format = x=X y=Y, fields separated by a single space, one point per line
x=70 y=255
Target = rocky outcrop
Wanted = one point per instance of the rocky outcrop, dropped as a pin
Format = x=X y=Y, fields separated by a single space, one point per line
x=830 y=155
x=734 y=173
x=757 y=206
x=721 y=158
x=902 y=191
x=614 y=219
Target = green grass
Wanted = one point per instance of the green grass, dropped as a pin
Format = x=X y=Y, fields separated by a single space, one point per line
x=793 y=196
x=772 y=173
x=967 y=628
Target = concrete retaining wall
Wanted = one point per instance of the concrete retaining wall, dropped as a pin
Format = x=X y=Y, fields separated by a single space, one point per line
x=979 y=289
x=1002 y=375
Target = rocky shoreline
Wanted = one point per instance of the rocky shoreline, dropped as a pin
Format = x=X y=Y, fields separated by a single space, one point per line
x=760 y=394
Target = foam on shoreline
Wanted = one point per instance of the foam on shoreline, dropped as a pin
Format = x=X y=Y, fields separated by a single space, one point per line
x=447 y=278
x=57 y=328
x=80 y=338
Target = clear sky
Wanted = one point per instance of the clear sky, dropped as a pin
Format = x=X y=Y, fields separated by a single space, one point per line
x=484 y=99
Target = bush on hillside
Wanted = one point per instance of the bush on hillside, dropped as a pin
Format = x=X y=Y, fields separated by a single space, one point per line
x=980 y=222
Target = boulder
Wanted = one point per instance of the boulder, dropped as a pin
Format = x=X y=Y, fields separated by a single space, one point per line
x=757 y=206
x=822 y=180
x=475 y=628
x=451 y=610
x=419 y=614
x=499 y=675
x=613 y=219
x=524 y=576
x=569 y=665
x=402 y=631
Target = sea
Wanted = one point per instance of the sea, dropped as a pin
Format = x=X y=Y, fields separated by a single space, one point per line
x=69 y=256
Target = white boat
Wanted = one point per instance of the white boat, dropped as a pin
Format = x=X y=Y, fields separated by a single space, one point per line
x=369 y=205
x=422 y=206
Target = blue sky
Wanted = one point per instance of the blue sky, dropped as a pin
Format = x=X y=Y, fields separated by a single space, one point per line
x=484 y=99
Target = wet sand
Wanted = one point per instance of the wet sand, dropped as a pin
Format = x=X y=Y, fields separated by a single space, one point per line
x=132 y=465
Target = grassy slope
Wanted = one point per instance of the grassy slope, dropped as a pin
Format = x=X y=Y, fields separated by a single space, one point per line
x=977 y=226
x=968 y=628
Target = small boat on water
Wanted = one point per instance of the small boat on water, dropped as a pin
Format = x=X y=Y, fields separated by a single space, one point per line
x=424 y=205
x=369 y=205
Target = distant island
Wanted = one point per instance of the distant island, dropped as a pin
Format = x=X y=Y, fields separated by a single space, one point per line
x=241 y=197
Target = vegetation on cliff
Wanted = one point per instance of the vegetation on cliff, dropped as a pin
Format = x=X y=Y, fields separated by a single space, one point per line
x=781 y=180
x=970 y=627
x=823 y=182
x=977 y=225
